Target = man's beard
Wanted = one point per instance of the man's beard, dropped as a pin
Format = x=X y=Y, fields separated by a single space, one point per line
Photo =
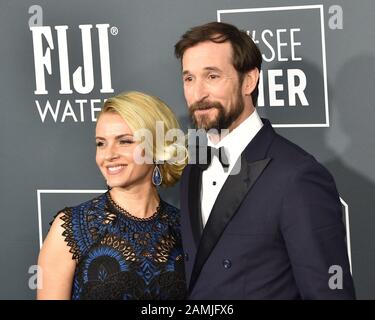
x=222 y=120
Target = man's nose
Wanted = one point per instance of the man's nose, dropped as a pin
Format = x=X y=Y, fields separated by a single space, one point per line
x=200 y=91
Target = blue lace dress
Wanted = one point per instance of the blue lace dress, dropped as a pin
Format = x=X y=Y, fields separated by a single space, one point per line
x=120 y=256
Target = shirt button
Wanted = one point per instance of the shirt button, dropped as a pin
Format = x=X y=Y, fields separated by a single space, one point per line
x=227 y=263
x=186 y=257
x=214 y=183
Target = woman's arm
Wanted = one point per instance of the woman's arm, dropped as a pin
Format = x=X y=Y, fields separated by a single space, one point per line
x=56 y=265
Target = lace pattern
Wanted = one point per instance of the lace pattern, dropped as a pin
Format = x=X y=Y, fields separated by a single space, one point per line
x=123 y=257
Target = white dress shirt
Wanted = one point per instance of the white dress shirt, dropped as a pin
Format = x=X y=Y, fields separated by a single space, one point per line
x=214 y=177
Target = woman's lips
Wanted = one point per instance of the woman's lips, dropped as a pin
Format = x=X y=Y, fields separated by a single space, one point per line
x=112 y=170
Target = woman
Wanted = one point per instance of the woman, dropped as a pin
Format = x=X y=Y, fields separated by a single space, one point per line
x=124 y=244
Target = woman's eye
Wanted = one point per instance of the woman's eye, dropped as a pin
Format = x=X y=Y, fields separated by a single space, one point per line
x=126 y=141
x=99 y=144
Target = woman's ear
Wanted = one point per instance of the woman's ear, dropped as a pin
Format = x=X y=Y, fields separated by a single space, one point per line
x=250 y=81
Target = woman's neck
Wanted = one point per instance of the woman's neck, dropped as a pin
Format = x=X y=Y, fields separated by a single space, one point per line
x=139 y=201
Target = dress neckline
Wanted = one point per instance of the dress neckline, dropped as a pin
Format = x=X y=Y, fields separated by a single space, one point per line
x=127 y=214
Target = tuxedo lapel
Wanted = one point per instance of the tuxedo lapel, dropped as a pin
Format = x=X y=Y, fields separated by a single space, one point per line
x=230 y=198
x=253 y=162
x=194 y=200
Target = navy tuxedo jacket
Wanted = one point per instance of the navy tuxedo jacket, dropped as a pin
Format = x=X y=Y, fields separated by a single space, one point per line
x=275 y=229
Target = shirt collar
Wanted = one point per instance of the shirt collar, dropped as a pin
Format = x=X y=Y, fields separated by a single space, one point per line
x=237 y=140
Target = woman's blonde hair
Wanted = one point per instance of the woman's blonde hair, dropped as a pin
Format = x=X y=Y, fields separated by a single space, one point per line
x=142 y=111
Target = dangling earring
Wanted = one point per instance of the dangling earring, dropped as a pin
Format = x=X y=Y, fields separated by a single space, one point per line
x=156 y=176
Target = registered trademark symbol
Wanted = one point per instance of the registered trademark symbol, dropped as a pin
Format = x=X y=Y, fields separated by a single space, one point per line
x=114 y=31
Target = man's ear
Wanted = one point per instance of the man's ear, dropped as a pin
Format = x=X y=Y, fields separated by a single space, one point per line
x=250 y=81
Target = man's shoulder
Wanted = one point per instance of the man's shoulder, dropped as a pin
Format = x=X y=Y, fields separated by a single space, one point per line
x=289 y=152
x=291 y=159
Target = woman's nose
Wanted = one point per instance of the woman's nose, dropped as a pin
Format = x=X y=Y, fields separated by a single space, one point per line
x=111 y=153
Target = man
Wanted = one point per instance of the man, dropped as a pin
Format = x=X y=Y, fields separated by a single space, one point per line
x=273 y=229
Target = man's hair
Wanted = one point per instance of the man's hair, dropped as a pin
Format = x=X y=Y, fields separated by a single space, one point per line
x=245 y=54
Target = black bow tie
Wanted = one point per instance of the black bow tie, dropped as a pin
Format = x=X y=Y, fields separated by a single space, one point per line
x=204 y=162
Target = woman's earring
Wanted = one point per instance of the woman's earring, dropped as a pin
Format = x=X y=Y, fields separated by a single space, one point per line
x=156 y=176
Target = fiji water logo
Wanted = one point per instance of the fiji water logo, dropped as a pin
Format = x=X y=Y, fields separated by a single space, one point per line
x=53 y=52
x=83 y=76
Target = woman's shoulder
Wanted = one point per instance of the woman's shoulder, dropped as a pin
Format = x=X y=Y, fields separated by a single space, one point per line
x=169 y=208
x=171 y=213
x=95 y=203
x=81 y=223
x=92 y=206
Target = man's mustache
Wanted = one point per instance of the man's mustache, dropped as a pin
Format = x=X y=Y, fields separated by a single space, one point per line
x=203 y=105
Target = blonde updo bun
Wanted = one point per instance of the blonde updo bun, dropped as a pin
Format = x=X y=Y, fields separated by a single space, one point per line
x=143 y=111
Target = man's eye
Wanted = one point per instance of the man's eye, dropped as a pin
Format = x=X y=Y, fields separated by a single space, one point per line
x=188 y=79
x=99 y=144
x=213 y=76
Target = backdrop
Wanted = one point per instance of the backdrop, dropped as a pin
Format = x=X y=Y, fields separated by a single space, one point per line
x=61 y=59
